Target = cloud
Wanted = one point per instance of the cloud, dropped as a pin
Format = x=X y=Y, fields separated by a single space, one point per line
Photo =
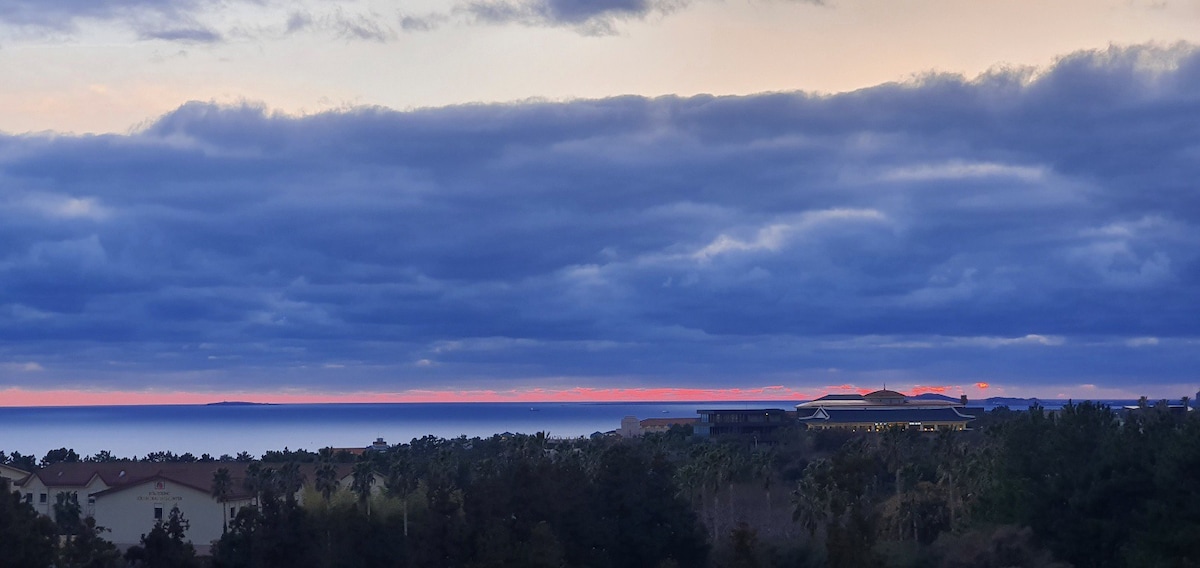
x=589 y=16
x=428 y=22
x=208 y=21
x=186 y=35
x=369 y=27
x=1015 y=229
x=64 y=14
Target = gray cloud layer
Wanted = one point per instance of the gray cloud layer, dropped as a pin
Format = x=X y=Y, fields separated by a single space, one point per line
x=177 y=20
x=590 y=16
x=1015 y=227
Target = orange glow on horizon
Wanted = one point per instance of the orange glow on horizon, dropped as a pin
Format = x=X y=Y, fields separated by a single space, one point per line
x=982 y=386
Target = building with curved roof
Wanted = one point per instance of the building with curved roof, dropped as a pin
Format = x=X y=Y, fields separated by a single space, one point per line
x=883 y=410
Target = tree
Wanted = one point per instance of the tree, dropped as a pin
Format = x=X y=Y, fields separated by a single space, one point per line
x=67 y=513
x=26 y=538
x=326 y=481
x=762 y=462
x=22 y=462
x=290 y=480
x=102 y=456
x=259 y=481
x=401 y=482
x=364 y=479
x=60 y=455
x=87 y=549
x=222 y=486
x=165 y=547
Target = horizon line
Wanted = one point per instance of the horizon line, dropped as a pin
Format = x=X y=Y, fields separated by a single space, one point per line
x=14 y=397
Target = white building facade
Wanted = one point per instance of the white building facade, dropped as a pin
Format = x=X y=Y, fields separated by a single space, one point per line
x=128 y=498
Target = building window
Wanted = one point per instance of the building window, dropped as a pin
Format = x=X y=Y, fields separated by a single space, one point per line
x=233 y=511
x=158 y=513
x=41 y=498
x=29 y=498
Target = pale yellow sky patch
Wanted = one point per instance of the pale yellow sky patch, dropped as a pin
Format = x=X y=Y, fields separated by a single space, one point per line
x=104 y=79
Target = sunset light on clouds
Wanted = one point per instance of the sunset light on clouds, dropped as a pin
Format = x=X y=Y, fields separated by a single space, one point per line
x=563 y=200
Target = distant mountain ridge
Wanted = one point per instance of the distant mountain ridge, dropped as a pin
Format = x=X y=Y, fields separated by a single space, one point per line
x=934 y=396
x=1007 y=401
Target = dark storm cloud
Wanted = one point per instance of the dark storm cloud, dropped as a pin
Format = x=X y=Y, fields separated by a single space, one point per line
x=1019 y=227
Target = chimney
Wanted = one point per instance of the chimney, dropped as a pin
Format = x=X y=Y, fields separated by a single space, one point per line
x=963 y=400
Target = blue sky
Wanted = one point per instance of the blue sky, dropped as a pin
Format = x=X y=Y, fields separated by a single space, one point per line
x=362 y=198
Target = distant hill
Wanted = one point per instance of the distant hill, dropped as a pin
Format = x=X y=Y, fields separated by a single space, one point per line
x=934 y=396
x=1009 y=401
x=238 y=403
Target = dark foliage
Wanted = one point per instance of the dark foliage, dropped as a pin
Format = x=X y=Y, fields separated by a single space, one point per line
x=1083 y=486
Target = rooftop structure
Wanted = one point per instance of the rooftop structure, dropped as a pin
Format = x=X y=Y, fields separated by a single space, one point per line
x=884 y=409
x=760 y=423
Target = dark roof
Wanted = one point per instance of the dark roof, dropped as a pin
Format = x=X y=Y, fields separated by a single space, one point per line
x=667 y=421
x=740 y=410
x=885 y=394
x=197 y=475
x=855 y=415
x=841 y=397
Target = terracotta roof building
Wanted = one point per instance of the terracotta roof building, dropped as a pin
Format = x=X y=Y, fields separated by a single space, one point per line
x=129 y=497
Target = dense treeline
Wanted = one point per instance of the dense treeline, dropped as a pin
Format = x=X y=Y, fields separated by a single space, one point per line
x=1083 y=486
x=494 y=502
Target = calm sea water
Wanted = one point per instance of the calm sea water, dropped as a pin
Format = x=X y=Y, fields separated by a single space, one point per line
x=132 y=431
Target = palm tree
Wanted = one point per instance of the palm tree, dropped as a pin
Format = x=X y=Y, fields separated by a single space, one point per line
x=812 y=497
x=718 y=471
x=894 y=447
x=326 y=482
x=762 y=463
x=290 y=480
x=260 y=481
x=402 y=481
x=222 y=485
x=364 y=478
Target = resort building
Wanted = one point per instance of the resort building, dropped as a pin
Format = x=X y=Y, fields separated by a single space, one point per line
x=631 y=427
x=662 y=425
x=882 y=410
x=12 y=474
x=759 y=424
x=128 y=498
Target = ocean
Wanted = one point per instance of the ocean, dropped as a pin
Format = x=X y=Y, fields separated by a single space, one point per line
x=134 y=431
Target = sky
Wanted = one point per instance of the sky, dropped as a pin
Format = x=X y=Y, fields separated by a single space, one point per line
x=411 y=200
